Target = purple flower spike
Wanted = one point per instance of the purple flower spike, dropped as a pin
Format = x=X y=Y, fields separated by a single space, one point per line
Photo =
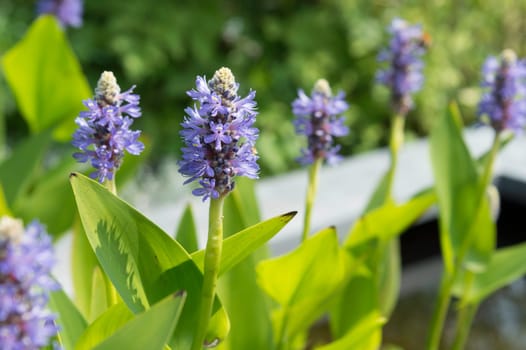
x=68 y=12
x=103 y=133
x=403 y=76
x=317 y=117
x=219 y=136
x=26 y=259
x=504 y=100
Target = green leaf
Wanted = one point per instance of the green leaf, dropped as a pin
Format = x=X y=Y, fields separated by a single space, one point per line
x=458 y=193
x=144 y=263
x=245 y=301
x=365 y=335
x=58 y=216
x=46 y=78
x=149 y=330
x=389 y=220
x=238 y=246
x=303 y=282
x=17 y=172
x=104 y=326
x=71 y=322
x=186 y=231
x=98 y=303
x=506 y=265
x=356 y=299
x=83 y=263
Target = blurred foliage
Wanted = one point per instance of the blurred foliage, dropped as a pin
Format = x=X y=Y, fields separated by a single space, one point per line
x=276 y=47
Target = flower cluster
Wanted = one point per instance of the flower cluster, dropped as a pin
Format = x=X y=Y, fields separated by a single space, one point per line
x=68 y=12
x=403 y=76
x=219 y=136
x=317 y=117
x=103 y=132
x=26 y=259
x=504 y=100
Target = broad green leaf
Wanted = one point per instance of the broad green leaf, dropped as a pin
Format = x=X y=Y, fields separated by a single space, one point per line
x=144 y=263
x=17 y=171
x=382 y=225
x=83 y=263
x=506 y=265
x=356 y=299
x=71 y=322
x=149 y=330
x=58 y=214
x=186 y=231
x=458 y=193
x=245 y=301
x=389 y=220
x=365 y=335
x=104 y=326
x=303 y=282
x=98 y=302
x=46 y=78
x=238 y=246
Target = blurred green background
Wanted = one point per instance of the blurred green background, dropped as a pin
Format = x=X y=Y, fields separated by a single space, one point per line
x=276 y=47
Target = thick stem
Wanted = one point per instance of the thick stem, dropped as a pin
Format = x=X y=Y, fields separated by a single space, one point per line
x=465 y=319
x=465 y=313
x=440 y=312
x=214 y=246
x=311 y=194
x=396 y=141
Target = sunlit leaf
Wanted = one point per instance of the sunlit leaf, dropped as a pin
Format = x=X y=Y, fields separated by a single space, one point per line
x=238 y=246
x=104 y=326
x=70 y=321
x=389 y=220
x=246 y=303
x=506 y=265
x=83 y=263
x=460 y=199
x=365 y=335
x=149 y=330
x=144 y=263
x=46 y=78
x=303 y=282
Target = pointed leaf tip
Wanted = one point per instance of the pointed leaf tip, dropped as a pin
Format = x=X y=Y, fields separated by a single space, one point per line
x=290 y=214
x=180 y=293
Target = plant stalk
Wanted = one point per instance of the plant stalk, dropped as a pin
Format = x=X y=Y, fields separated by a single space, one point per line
x=465 y=314
x=396 y=141
x=311 y=195
x=214 y=246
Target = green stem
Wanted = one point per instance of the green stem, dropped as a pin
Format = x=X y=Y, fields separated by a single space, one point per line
x=439 y=315
x=282 y=339
x=487 y=173
x=311 y=194
x=465 y=315
x=211 y=270
x=112 y=297
x=396 y=141
x=440 y=312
